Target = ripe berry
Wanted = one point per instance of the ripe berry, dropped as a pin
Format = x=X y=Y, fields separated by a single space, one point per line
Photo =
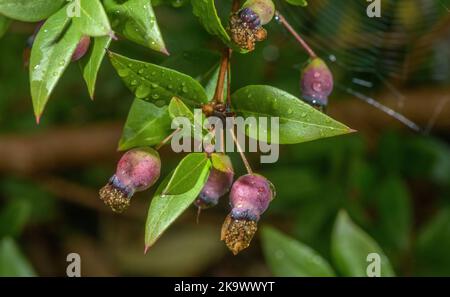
x=218 y=183
x=249 y=197
x=316 y=83
x=137 y=170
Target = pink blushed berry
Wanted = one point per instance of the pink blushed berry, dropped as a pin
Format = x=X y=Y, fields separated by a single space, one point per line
x=316 y=83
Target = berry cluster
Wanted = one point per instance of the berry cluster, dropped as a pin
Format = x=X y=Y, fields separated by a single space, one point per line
x=250 y=195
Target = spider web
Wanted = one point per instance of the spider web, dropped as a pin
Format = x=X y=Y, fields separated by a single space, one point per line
x=386 y=52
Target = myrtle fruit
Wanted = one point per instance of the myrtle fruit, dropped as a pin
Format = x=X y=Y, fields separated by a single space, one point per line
x=137 y=170
x=246 y=25
x=316 y=83
x=218 y=183
x=82 y=48
x=263 y=9
x=250 y=196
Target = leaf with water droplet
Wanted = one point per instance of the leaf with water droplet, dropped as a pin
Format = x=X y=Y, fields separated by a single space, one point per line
x=136 y=20
x=299 y=122
x=206 y=12
x=289 y=257
x=156 y=78
x=146 y=125
x=190 y=176
x=29 y=11
x=51 y=53
x=90 y=64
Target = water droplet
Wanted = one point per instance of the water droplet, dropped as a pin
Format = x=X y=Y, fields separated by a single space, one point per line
x=134 y=82
x=317 y=86
x=160 y=103
x=130 y=65
x=185 y=89
x=289 y=111
x=141 y=71
x=153 y=85
x=170 y=87
x=142 y=91
x=303 y=114
x=155 y=96
x=123 y=72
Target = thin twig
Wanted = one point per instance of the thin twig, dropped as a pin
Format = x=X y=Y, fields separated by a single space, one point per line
x=291 y=30
x=218 y=94
x=165 y=140
x=241 y=152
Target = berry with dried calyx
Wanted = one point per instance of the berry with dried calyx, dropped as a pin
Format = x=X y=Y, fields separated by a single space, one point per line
x=218 y=183
x=316 y=83
x=137 y=170
x=246 y=24
x=250 y=196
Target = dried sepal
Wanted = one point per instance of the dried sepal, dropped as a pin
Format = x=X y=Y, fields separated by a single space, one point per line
x=113 y=197
x=237 y=234
x=243 y=35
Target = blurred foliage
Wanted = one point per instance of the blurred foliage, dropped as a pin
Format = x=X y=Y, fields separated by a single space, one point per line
x=396 y=188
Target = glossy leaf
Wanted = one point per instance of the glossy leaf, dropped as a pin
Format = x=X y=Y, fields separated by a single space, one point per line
x=288 y=257
x=165 y=209
x=29 y=10
x=4 y=25
x=173 y=3
x=206 y=11
x=13 y=217
x=12 y=261
x=136 y=20
x=299 y=122
x=157 y=84
x=92 y=20
x=187 y=173
x=298 y=2
x=90 y=64
x=146 y=125
x=51 y=53
x=350 y=247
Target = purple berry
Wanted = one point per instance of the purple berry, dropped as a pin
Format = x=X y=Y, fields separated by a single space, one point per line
x=247 y=15
x=218 y=183
x=137 y=170
x=82 y=48
x=249 y=197
x=316 y=83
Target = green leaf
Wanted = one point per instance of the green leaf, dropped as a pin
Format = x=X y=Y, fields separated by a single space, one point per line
x=433 y=244
x=394 y=213
x=4 y=25
x=298 y=2
x=29 y=10
x=173 y=3
x=187 y=173
x=12 y=261
x=165 y=209
x=206 y=11
x=158 y=84
x=288 y=257
x=146 y=125
x=136 y=20
x=210 y=87
x=350 y=246
x=51 y=54
x=13 y=217
x=90 y=64
x=92 y=20
x=299 y=122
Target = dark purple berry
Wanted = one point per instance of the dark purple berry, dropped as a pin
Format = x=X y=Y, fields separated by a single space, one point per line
x=316 y=83
x=218 y=183
x=137 y=170
x=247 y=15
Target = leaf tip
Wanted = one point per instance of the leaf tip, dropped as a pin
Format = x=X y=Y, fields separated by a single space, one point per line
x=146 y=248
x=164 y=51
